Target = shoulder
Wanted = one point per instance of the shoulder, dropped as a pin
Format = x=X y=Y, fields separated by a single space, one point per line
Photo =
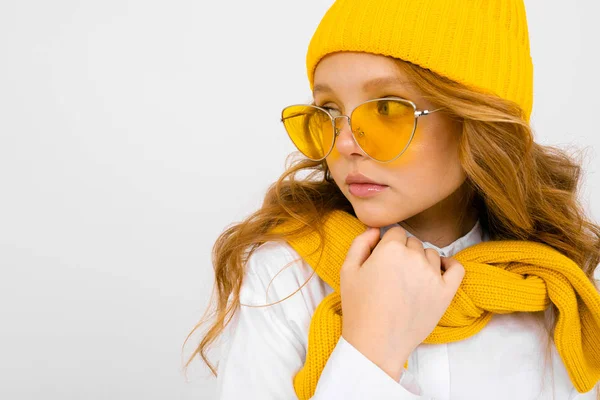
x=276 y=273
x=273 y=263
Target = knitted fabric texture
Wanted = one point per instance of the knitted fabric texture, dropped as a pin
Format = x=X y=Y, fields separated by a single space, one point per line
x=480 y=43
x=500 y=277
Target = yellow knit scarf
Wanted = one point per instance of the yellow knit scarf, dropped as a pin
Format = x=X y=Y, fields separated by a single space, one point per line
x=500 y=277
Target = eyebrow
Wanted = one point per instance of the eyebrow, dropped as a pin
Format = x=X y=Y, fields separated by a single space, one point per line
x=369 y=85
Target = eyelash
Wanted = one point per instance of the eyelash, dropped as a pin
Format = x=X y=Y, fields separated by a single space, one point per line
x=393 y=97
x=380 y=97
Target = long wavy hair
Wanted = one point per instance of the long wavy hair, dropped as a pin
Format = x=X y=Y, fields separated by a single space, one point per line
x=521 y=189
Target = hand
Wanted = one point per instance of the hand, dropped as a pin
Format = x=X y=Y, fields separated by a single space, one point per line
x=393 y=295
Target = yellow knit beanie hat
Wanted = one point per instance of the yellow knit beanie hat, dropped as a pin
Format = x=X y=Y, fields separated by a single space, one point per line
x=481 y=43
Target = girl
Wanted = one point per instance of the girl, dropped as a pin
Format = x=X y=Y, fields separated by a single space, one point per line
x=429 y=248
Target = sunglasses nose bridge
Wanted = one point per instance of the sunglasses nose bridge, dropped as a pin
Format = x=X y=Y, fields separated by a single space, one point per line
x=338 y=128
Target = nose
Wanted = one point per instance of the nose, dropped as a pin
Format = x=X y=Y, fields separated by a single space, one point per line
x=345 y=143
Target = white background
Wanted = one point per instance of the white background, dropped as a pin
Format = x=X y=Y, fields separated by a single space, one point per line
x=133 y=132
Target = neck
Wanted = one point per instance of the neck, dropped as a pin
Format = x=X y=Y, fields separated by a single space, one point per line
x=446 y=221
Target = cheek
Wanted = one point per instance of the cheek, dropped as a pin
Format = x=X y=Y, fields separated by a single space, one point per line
x=432 y=157
x=336 y=170
x=430 y=166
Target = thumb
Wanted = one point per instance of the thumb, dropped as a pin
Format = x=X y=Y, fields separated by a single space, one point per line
x=361 y=247
x=454 y=273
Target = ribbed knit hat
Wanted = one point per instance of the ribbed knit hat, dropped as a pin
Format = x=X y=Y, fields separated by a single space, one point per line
x=481 y=43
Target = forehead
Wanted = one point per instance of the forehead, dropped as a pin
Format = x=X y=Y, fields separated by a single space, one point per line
x=352 y=71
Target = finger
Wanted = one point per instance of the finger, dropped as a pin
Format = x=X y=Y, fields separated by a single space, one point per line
x=361 y=247
x=433 y=258
x=414 y=243
x=394 y=234
x=454 y=273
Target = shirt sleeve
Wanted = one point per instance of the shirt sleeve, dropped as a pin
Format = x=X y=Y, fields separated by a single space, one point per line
x=262 y=351
x=349 y=374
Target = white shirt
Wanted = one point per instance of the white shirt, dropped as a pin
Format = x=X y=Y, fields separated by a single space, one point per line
x=263 y=348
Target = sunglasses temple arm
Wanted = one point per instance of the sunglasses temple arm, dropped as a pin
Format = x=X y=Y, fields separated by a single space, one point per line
x=426 y=112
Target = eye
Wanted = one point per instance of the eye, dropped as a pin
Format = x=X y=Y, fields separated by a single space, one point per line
x=392 y=108
x=332 y=110
x=383 y=107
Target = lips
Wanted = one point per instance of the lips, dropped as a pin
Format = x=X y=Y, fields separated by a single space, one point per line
x=362 y=186
x=356 y=177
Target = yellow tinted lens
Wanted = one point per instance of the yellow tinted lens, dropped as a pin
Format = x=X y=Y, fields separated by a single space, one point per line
x=383 y=128
x=310 y=129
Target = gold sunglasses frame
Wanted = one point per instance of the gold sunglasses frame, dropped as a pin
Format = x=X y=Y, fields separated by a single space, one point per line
x=417 y=113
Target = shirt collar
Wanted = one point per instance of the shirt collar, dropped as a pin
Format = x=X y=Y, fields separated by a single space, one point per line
x=474 y=236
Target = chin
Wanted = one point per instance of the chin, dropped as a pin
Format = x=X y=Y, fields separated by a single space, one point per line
x=376 y=215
